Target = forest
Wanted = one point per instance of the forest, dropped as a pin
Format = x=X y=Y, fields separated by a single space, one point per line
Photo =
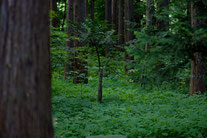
x=103 y=68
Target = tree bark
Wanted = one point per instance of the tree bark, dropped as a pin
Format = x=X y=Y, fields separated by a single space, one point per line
x=92 y=9
x=197 y=79
x=108 y=17
x=162 y=24
x=115 y=14
x=25 y=84
x=100 y=86
x=80 y=65
x=53 y=7
x=121 y=22
x=149 y=12
x=69 y=43
x=128 y=15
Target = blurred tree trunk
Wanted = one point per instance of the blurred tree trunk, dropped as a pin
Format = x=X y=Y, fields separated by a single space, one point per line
x=80 y=64
x=108 y=17
x=121 y=22
x=92 y=9
x=139 y=18
x=53 y=7
x=115 y=14
x=163 y=23
x=149 y=14
x=25 y=84
x=198 y=67
x=69 y=42
x=128 y=15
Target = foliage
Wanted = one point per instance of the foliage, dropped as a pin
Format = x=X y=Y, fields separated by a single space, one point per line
x=126 y=110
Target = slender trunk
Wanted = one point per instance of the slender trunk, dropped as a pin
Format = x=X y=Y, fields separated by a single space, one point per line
x=25 y=84
x=100 y=86
x=197 y=79
x=139 y=18
x=115 y=14
x=121 y=22
x=149 y=12
x=92 y=9
x=128 y=14
x=108 y=17
x=53 y=7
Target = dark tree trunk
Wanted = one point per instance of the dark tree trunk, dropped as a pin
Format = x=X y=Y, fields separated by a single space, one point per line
x=69 y=43
x=139 y=18
x=100 y=86
x=149 y=13
x=92 y=9
x=25 y=85
x=80 y=65
x=197 y=79
x=121 y=22
x=53 y=7
x=108 y=17
x=162 y=24
x=128 y=15
x=115 y=14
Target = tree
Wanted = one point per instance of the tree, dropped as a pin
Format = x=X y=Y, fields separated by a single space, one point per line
x=92 y=9
x=114 y=14
x=69 y=42
x=128 y=35
x=53 y=7
x=108 y=17
x=80 y=65
x=149 y=12
x=25 y=85
x=163 y=21
x=197 y=79
x=121 y=22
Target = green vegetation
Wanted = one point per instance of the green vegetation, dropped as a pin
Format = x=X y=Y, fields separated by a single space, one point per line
x=126 y=110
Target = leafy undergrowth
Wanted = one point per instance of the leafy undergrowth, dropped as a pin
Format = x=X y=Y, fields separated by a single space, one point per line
x=126 y=110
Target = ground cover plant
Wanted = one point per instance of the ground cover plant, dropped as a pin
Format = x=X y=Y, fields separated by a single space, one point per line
x=126 y=110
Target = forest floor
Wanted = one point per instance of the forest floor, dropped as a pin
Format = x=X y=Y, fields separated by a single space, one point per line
x=126 y=110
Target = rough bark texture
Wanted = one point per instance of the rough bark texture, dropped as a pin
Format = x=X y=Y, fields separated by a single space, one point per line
x=149 y=12
x=53 y=7
x=162 y=23
x=197 y=79
x=100 y=86
x=69 y=42
x=128 y=15
x=25 y=86
x=92 y=9
x=80 y=65
x=121 y=22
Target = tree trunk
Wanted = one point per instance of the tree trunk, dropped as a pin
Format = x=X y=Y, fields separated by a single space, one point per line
x=25 y=85
x=53 y=7
x=197 y=79
x=100 y=86
x=69 y=43
x=121 y=22
x=64 y=14
x=115 y=14
x=108 y=17
x=162 y=24
x=128 y=15
x=80 y=65
x=92 y=9
x=139 y=18
x=149 y=12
